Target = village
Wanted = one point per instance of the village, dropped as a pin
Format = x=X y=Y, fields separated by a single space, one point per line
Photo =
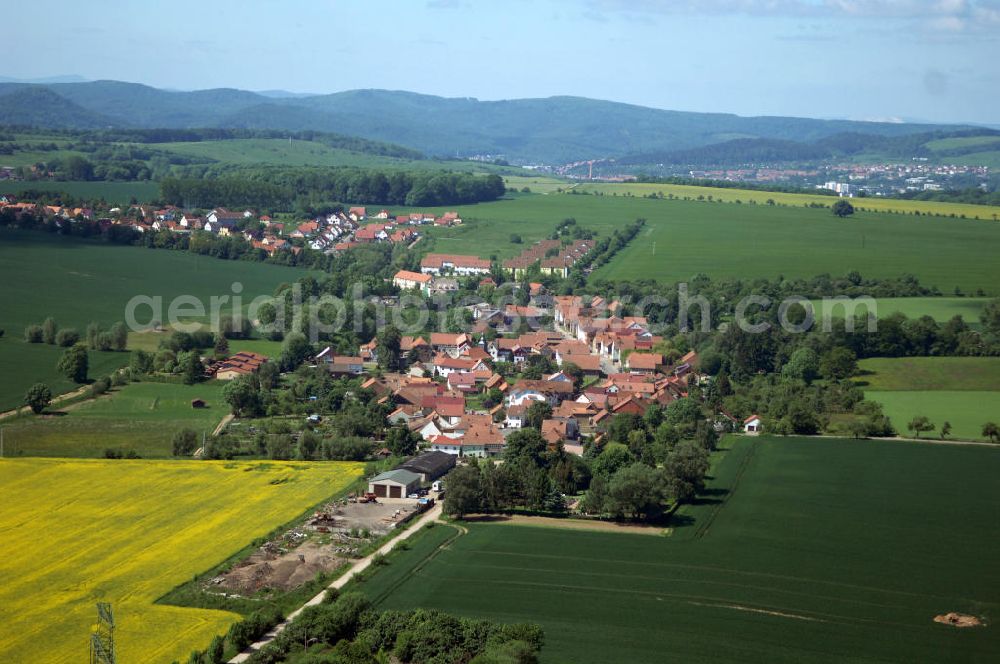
x=463 y=394
x=328 y=233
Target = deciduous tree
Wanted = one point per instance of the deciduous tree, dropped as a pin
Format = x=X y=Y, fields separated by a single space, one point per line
x=842 y=208
x=74 y=363
x=465 y=493
x=991 y=430
x=919 y=424
x=38 y=397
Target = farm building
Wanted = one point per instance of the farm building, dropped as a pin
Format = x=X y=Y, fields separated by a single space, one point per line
x=752 y=424
x=430 y=465
x=240 y=364
x=394 y=484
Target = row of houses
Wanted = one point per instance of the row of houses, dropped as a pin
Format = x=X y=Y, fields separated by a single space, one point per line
x=551 y=256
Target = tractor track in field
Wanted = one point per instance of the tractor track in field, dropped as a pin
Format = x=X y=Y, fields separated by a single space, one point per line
x=703 y=529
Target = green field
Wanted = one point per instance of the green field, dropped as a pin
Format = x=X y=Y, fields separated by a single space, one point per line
x=989 y=158
x=930 y=373
x=746 y=241
x=139 y=416
x=77 y=282
x=967 y=410
x=941 y=309
x=897 y=206
x=962 y=142
x=537 y=184
x=685 y=238
x=280 y=152
x=118 y=193
x=803 y=550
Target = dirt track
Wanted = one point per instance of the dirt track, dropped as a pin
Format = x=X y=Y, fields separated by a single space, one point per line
x=62 y=397
x=567 y=524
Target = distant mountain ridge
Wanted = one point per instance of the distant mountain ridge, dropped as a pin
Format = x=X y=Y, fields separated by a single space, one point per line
x=550 y=130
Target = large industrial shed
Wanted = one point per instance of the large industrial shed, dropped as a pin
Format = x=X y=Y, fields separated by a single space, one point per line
x=394 y=484
x=430 y=465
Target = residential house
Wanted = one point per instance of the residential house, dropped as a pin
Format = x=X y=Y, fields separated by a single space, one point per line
x=453 y=344
x=644 y=363
x=454 y=263
x=341 y=365
x=240 y=364
x=462 y=381
x=406 y=280
x=552 y=392
x=559 y=429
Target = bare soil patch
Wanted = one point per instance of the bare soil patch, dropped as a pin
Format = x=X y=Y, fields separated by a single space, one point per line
x=567 y=524
x=273 y=568
x=332 y=537
x=345 y=516
x=959 y=620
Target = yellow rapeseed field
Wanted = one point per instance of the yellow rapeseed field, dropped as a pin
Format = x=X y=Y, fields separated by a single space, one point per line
x=77 y=532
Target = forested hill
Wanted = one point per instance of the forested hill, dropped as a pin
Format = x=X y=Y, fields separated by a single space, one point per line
x=550 y=130
x=766 y=150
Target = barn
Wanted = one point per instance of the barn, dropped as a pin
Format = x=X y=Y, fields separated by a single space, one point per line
x=394 y=484
x=430 y=465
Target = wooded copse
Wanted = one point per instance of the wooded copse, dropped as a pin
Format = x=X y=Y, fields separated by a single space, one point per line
x=283 y=189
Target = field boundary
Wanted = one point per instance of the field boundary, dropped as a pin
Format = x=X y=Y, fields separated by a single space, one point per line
x=567 y=523
x=702 y=530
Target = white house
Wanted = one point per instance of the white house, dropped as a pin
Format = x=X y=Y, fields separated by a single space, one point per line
x=753 y=425
x=407 y=280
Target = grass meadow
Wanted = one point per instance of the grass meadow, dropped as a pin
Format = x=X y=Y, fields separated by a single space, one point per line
x=138 y=416
x=78 y=532
x=964 y=391
x=941 y=309
x=78 y=282
x=685 y=238
x=967 y=410
x=802 y=550
x=930 y=373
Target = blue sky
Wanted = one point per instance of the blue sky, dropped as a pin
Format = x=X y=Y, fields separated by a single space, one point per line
x=935 y=60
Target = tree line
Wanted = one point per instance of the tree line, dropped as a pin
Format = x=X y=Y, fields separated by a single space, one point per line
x=347 y=629
x=282 y=189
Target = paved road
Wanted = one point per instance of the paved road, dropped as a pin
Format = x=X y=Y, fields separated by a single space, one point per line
x=359 y=566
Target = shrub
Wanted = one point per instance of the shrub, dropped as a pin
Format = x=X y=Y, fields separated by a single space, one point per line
x=66 y=337
x=184 y=442
x=49 y=329
x=99 y=387
x=33 y=334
